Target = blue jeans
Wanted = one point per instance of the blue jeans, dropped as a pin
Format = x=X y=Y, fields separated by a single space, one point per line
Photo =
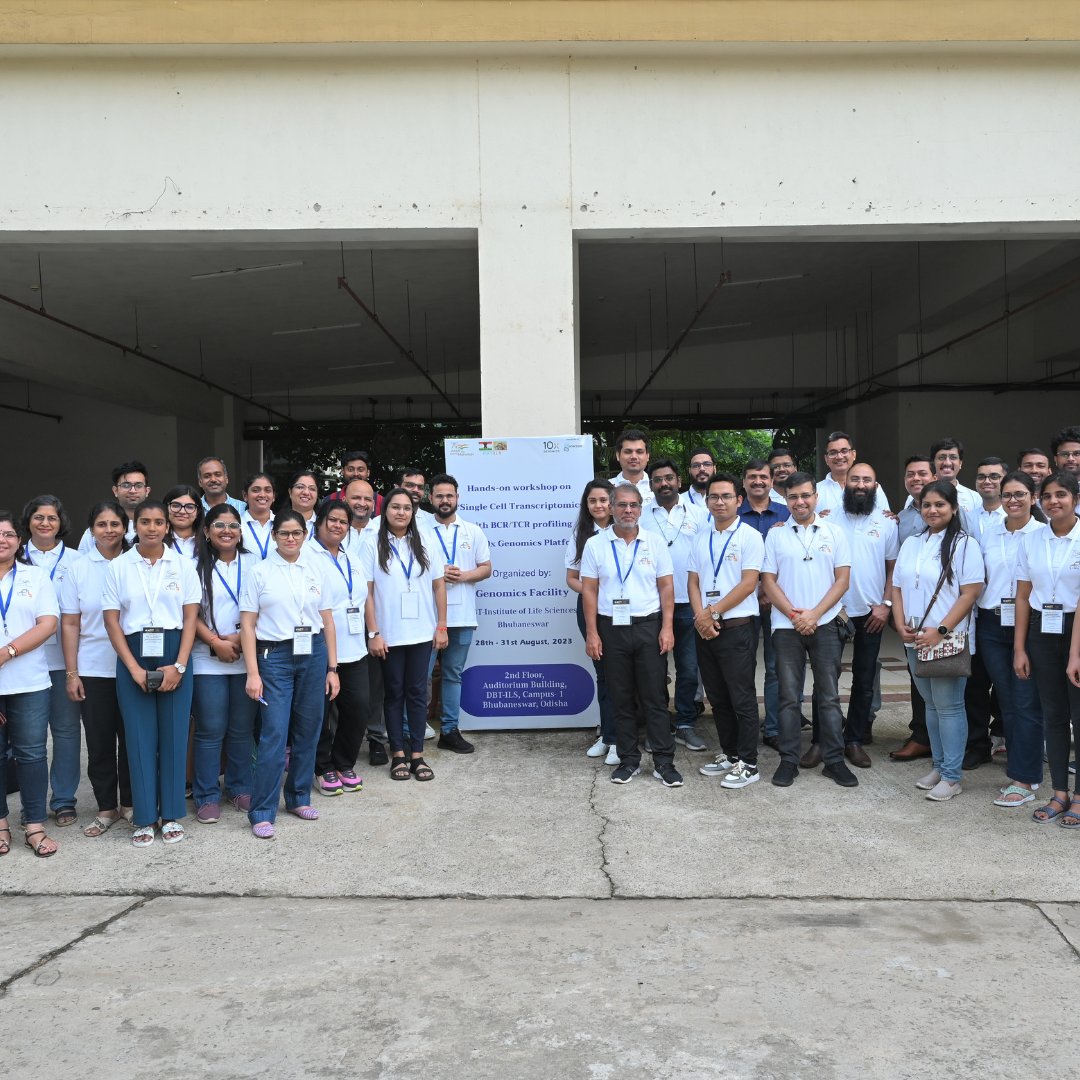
x=946 y=720
x=603 y=698
x=825 y=650
x=686 y=666
x=224 y=714
x=1018 y=698
x=26 y=732
x=772 y=684
x=452 y=664
x=66 y=730
x=294 y=687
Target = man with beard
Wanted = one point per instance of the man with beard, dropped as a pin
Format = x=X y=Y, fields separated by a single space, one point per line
x=872 y=538
x=213 y=481
x=702 y=468
x=468 y=562
x=1034 y=462
x=360 y=496
x=632 y=454
x=781 y=466
x=1065 y=446
x=130 y=485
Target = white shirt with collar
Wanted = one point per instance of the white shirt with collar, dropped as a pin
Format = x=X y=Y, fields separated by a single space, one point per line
x=1001 y=557
x=465 y=546
x=258 y=539
x=640 y=566
x=830 y=496
x=804 y=560
x=148 y=595
x=679 y=528
x=969 y=501
x=983 y=520
x=357 y=539
x=918 y=570
x=570 y=559
x=776 y=497
x=737 y=548
x=390 y=582
x=424 y=520
x=186 y=546
x=287 y=595
x=695 y=501
x=87 y=542
x=643 y=486
x=873 y=540
x=346 y=587
x=1052 y=565
x=57 y=563
x=31 y=596
x=80 y=594
x=227 y=580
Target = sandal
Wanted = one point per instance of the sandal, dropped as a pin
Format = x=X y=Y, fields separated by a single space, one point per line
x=421 y=769
x=1071 y=818
x=65 y=816
x=36 y=848
x=400 y=769
x=305 y=813
x=5 y=845
x=172 y=832
x=1048 y=811
x=143 y=836
x=100 y=826
x=1026 y=796
x=263 y=830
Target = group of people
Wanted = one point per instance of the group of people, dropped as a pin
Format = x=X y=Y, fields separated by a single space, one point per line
x=981 y=586
x=276 y=641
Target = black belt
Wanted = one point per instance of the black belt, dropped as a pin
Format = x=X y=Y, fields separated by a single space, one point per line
x=742 y=620
x=271 y=645
x=636 y=618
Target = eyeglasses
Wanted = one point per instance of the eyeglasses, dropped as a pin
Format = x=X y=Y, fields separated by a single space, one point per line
x=721 y=498
x=1015 y=496
x=131 y=485
x=9 y=536
x=226 y=526
x=306 y=487
x=1068 y=454
x=290 y=535
x=838 y=453
x=984 y=478
x=627 y=506
x=182 y=508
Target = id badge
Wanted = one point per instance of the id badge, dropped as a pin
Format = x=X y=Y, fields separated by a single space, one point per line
x=356 y=620
x=454 y=595
x=1008 y=611
x=301 y=642
x=410 y=605
x=713 y=596
x=1053 y=618
x=620 y=612
x=153 y=641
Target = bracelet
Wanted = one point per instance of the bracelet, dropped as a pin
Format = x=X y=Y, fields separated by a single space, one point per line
x=438 y=628
x=72 y=674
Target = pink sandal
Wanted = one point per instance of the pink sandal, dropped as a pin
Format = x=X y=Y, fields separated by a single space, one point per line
x=308 y=813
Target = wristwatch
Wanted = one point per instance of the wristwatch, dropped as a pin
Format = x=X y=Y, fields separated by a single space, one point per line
x=180 y=667
x=887 y=603
x=943 y=630
x=12 y=651
x=372 y=634
x=332 y=670
x=716 y=616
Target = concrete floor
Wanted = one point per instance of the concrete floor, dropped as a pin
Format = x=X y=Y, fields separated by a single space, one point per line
x=523 y=917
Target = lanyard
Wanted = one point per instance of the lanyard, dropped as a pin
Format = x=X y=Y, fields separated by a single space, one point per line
x=624 y=578
x=665 y=520
x=690 y=495
x=146 y=572
x=809 y=544
x=407 y=569
x=5 y=605
x=298 y=594
x=337 y=566
x=1055 y=574
x=263 y=547
x=234 y=596
x=451 y=556
x=719 y=562
x=55 y=565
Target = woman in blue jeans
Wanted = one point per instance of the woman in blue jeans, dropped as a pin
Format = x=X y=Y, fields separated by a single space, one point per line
x=594 y=515
x=1021 y=715
x=936 y=581
x=224 y=714
x=29 y=615
x=290 y=655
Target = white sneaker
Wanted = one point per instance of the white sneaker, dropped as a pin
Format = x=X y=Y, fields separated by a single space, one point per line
x=612 y=757
x=741 y=775
x=429 y=732
x=943 y=791
x=719 y=766
x=929 y=781
x=598 y=749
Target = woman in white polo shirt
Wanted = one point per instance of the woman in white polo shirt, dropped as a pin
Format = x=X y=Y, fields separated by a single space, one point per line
x=1047 y=590
x=184 y=504
x=224 y=714
x=303 y=497
x=290 y=652
x=28 y=618
x=46 y=526
x=406 y=615
x=90 y=662
x=149 y=604
x=258 y=518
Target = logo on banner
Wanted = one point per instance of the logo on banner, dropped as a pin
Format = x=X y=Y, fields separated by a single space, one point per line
x=460 y=449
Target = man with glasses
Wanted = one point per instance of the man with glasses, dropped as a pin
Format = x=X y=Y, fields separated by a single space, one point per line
x=806 y=572
x=213 y=480
x=839 y=457
x=1065 y=446
x=988 y=476
x=130 y=485
x=628 y=599
x=702 y=467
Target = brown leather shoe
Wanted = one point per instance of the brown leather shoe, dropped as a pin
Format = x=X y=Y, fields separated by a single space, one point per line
x=812 y=758
x=858 y=757
x=911 y=750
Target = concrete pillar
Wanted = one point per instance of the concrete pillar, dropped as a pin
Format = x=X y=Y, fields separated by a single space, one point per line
x=527 y=257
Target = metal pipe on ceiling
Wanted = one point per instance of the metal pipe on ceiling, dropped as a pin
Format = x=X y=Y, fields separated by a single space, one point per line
x=31 y=412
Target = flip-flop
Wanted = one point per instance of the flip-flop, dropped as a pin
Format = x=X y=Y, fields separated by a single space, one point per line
x=1051 y=814
x=1027 y=795
x=143 y=836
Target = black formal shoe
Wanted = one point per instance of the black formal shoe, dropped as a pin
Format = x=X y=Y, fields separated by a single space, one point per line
x=772 y=741
x=857 y=756
x=376 y=753
x=812 y=758
x=785 y=774
x=974 y=758
x=911 y=750
x=804 y=722
x=453 y=740
x=839 y=773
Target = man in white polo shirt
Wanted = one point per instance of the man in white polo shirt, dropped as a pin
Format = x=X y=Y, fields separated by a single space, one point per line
x=806 y=572
x=839 y=457
x=702 y=467
x=628 y=600
x=468 y=562
x=632 y=454
x=360 y=496
x=723 y=581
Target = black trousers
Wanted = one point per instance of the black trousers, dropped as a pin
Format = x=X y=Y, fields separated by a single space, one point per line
x=106 y=751
x=981 y=706
x=918 y=715
x=633 y=667
x=727 y=664
x=344 y=719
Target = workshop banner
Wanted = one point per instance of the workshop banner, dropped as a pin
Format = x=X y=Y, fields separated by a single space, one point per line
x=527 y=667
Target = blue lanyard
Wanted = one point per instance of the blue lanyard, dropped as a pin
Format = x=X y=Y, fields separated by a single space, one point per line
x=451 y=556
x=263 y=548
x=408 y=569
x=5 y=605
x=235 y=596
x=337 y=566
x=52 y=572
x=624 y=578
x=719 y=562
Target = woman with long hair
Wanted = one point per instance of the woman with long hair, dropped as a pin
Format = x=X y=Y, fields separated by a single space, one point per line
x=45 y=526
x=406 y=616
x=184 y=504
x=224 y=714
x=303 y=497
x=90 y=662
x=258 y=518
x=936 y=581
x=1047 y=590
x=1018 y=698
x=594 y=515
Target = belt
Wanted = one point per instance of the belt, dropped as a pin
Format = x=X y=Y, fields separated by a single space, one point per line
x=636 y=618
x=271 y=645
x=742 y=620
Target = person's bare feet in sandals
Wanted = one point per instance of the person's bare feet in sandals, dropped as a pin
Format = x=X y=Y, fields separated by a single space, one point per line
x=399 y=768
x=420 y=768
x=5 y=837
x=38 y=842
x=101 y=824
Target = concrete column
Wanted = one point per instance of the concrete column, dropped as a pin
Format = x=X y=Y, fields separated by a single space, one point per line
x=527 y=257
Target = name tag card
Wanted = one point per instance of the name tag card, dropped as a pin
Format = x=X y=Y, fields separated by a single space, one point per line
x=1008 y=611
x=1053 y=618
x=454 y=595
x=410 y=605
x=620 y=612
x=713 y=596
x=356 y=620
x=301 y=642
x=153 y=641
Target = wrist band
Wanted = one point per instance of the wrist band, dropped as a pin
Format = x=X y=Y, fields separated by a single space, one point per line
x=438 y=628
x=72 y=674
